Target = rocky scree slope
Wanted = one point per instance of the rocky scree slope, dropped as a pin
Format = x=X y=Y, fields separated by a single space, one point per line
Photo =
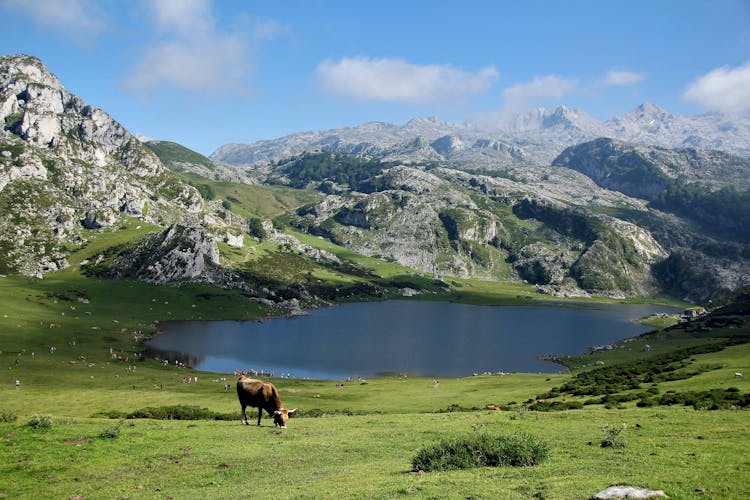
x=67 y=168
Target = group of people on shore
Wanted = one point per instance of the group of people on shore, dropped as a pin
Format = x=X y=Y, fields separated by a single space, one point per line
x=261 y=373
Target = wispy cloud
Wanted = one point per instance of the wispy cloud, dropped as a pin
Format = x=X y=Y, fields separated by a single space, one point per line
x=724 y=89
x=618 y=78
x=80 y=21
x=398 y=80
x=191 y=52
x=541 y=88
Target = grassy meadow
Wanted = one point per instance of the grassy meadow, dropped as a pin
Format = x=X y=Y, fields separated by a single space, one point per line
x=355 y=441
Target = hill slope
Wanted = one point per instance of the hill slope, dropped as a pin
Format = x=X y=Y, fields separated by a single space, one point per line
x=67 y=168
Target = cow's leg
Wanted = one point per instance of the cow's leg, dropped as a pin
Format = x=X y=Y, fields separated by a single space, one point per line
x=244 y=417
x=260 y=414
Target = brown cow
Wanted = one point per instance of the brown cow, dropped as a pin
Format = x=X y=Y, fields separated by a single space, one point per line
x=263 y=396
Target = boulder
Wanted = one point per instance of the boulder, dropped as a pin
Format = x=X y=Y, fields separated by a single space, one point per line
x=627 y=492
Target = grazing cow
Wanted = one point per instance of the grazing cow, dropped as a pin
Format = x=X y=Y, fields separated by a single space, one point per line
x=263 y=396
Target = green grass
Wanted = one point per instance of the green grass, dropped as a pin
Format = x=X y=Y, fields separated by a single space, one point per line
x=677 y=450
x=265 y=202
x=368 y=454
x=171 y=152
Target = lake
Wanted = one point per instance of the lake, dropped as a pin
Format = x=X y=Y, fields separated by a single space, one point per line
x=434 y=339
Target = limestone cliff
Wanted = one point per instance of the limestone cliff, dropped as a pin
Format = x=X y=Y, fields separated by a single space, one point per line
x=67 y=168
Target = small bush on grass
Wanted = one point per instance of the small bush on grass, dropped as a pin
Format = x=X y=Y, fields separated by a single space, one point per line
x=7 y=416
x=111 y=432
x=178 y=412
x=481 y=450
x=613 y=436
x=40 y=422
x=458 y=408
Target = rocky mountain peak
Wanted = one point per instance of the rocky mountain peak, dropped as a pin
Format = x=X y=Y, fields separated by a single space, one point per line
x=35 y=106
x=646 y=115
x=69 y=167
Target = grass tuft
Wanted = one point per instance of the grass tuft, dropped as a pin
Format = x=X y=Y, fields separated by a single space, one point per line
x=7 y=416
x=40 y=422
x=482 y=450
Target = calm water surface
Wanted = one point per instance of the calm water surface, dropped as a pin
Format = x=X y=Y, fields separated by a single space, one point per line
x=419 y=338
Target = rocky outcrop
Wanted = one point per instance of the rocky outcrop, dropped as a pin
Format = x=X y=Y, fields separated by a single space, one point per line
x=178 y=254
x=69 y=169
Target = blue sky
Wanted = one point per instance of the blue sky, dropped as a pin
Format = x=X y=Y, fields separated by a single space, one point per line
x=204 y=73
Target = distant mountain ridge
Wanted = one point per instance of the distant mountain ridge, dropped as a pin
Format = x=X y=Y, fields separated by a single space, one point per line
x=533 y=137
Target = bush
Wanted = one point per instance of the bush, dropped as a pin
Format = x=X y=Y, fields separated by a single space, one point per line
x=178 y=412
x=713 y=399
x=613 y=437
x=7 y=416
x=111 y=432
x=40 y=422
x=645 y=403
x=481 y=450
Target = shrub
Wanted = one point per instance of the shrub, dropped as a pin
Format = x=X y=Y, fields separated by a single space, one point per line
x=178 y=412
x=481 y=450
x=40 y=422
x=613 y=436
x=111 y=432
x=181 y=412
x=645 y=403
x=7 y=416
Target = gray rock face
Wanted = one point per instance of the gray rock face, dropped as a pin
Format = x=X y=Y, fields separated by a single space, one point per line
x=70 y=169
x=177 y=254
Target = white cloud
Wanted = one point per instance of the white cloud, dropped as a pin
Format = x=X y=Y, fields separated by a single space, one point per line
x=723 y=89
x=622 y=78
x=541 y=88
x=182 y=16
x=399 y=80
x=79 y=20
x=190 y=52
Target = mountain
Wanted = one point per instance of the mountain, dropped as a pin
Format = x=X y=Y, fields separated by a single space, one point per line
x=182 y=160
x=67 y=168
x=650 y=124
x=645 y=171
x=606 y=217
x=531 y=138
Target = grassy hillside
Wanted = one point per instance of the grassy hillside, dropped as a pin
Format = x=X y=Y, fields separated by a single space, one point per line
x=352 y=441
x=250 y=200
x=171 y=154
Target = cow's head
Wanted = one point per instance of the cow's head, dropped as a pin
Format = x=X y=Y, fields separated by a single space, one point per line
x=281 y=416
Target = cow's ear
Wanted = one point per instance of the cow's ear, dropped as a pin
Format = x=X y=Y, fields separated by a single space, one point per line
x=292 y=411
x=277 y=412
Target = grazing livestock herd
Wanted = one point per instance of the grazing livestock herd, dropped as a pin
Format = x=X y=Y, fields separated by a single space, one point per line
x=263 y=396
